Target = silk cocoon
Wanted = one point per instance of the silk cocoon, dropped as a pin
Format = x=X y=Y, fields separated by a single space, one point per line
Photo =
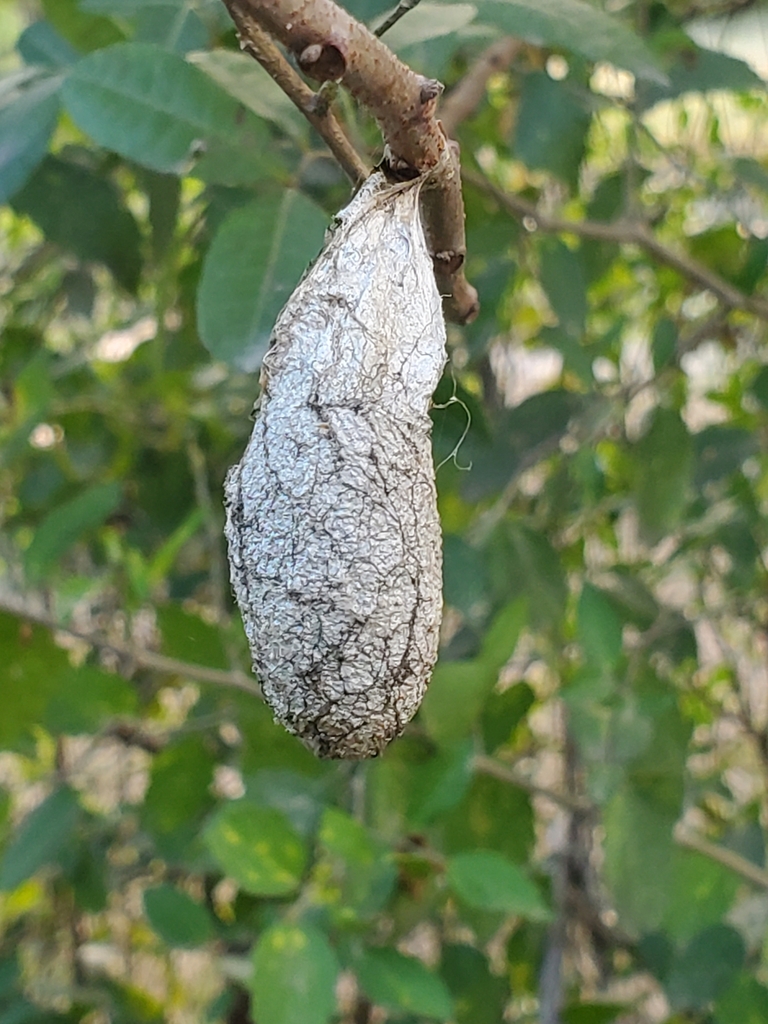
x=332 y=526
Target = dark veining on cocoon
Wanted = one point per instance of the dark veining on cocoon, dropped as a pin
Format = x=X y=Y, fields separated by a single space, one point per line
x=334 y=538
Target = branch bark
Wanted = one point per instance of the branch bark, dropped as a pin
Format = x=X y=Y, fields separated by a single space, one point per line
x=330 y=45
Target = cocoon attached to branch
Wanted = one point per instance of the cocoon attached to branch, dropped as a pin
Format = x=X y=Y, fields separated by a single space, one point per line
x=332 y=525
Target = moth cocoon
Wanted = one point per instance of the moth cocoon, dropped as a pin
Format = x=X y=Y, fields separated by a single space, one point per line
x=332 y=526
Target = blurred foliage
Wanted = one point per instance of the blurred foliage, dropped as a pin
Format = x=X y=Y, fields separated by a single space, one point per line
x=573 y=828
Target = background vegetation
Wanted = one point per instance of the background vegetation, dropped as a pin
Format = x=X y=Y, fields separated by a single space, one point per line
x=573 y=829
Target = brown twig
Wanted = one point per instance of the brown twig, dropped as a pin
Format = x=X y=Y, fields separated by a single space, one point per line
x=505 y=773
x=728 y=858
x=257 y=42
x=683 y=837
x=623 y=232
x=330 y=45
x=464 y=99
x=136 y=657
x=400 y=11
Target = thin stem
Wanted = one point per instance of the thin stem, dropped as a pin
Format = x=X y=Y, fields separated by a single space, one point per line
x=402 y=8
x=258 y=43
x=683 y=837
x=330 y=45
x=623 y=232
x=137 y=657
x=728 y=858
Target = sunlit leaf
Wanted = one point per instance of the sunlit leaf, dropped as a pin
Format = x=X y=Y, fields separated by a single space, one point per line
x=153 y=107
x=294 y=976
x=258 y=848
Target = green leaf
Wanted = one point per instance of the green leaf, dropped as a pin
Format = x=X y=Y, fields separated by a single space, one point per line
x=246 y=282
x=486 y=880
x=538 y=574
x=27 y=121
x=9 y=978
x=178 y=795
x=83 y=212
x=258 y=848
x=40 y=838
x=63 y=526
x=367 y=873
x=439 y=784
x=759 y=387
x=245 y=80
x=177 y=918
x=563 y=279
x=664 y=465
x=294 y=976
x=639 y=860
x=403 y=985
x=40 y=44
x=153 y=107
x=552 y=123
x=592 y=1013
x=177 y=29
x=298 y=796
x=482 y=820
x=465 y=582
x=29 y=673
x=664 y=342
x=707 y=967
x=85 y=698
x=479 y=996
x=455 y=697
x=127 y=8
x=88 y=876
x=598 y=628
x=501 y=638
x=429 y=21
x=572 y=25
x=83 y=30
x=721 y=451
x=503 y=713
x=745 y=1002
x=459 y=689
x=188 y=638
x=690 y=68
x=702 y=892
x=347 y=838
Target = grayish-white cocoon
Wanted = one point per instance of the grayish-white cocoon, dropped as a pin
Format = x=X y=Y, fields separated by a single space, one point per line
x=334 y=537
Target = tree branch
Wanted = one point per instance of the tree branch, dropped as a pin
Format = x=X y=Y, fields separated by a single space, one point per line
x=728 y=858
x=624 y=232
x=256 y=41
x=330 y=45
x=400 y=11
x=464 y=99
x=136 y=657
x=688 y=840
x=505 y=773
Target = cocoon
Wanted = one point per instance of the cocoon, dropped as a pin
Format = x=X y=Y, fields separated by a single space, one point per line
x=332 y=526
